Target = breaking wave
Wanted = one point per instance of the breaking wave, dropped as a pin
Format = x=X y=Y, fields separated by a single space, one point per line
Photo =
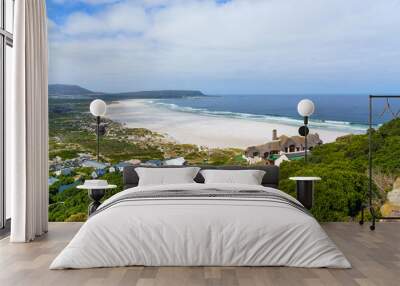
x=316 y=123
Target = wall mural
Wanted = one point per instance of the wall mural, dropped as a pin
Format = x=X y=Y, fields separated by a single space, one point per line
x=218 y=82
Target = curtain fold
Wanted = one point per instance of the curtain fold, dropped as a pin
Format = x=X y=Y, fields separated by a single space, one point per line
x=27 y=155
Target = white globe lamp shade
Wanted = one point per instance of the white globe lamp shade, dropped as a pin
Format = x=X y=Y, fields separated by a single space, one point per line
x=98 y=107
x=305 y=107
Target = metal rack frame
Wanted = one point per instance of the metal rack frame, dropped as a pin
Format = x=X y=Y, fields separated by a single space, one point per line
x=370 y=194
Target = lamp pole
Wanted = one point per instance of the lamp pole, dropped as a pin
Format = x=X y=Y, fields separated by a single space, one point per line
x=305 y=138
x=98 y=138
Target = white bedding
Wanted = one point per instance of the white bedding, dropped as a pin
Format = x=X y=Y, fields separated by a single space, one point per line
x=202 y=232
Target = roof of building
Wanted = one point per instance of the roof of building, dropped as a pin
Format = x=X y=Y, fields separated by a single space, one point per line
x=94 y=164
x=312 y=139
x=64 y=171
x=291 y=156
x=273 y=157
x=123 y=164
x=52 y=180
x=175 y=161
x=153 y=163
x=64 y=187
x=284 y=141
x=272 y=145
x=295 y=155
x=134 y=161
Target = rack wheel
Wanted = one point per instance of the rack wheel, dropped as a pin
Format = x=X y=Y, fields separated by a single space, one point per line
x=372 y=227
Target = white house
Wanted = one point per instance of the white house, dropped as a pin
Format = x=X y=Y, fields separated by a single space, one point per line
x=94 y=175
x=57 y=159
x=288 y=157
x=252 y=160
x=64 y=172
x=94 y=164
x=179 y=161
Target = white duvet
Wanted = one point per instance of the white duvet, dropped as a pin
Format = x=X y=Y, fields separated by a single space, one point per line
x=202 y=232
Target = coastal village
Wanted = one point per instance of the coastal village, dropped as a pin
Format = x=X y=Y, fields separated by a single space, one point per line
x=59 y=167
x=279 y=149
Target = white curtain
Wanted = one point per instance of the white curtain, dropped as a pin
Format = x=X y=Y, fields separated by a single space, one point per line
x=27 y=123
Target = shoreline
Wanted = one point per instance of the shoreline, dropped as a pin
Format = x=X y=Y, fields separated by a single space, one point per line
x=213 y=131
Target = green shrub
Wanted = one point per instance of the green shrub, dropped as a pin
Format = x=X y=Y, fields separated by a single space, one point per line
x=77 y=217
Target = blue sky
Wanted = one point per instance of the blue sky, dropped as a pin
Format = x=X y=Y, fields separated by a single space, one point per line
x=59 y=12
x=237 y=46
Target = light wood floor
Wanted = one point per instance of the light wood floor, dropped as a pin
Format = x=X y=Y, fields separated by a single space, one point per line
x=375 y=257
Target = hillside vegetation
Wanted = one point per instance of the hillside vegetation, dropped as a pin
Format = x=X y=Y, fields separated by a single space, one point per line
x=343 y=167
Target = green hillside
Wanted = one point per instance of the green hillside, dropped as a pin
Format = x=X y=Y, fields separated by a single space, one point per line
x=343 y=167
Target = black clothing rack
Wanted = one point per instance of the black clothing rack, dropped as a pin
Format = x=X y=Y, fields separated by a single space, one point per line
x=370 y=124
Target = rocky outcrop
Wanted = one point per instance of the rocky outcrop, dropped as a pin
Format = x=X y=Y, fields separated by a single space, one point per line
x=394 y=196
x=392 y=205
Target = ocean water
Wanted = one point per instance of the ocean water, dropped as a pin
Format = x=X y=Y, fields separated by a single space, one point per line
x=339 y=112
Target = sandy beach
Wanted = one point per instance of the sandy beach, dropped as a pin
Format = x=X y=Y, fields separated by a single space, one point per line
x=203 y=130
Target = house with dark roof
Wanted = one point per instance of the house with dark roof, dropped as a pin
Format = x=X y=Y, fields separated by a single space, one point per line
x=283 y=144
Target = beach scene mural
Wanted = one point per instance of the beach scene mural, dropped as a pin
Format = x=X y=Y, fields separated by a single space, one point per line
x=218 y=83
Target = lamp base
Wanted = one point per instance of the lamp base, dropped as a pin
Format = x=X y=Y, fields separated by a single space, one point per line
x=305 y=193
x=95 y=195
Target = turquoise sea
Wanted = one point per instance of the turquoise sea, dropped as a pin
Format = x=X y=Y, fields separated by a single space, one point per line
x=345 y=112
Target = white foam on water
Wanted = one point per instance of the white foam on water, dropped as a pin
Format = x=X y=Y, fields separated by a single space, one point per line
x=314 y=123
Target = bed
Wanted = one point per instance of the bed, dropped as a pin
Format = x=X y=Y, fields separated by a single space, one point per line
x=198 y=224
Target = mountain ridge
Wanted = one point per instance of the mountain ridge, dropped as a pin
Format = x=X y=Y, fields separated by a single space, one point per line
x=66 y=90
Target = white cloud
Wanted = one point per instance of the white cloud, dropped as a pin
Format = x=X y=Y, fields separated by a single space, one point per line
x=119 y=18
x=240 y=46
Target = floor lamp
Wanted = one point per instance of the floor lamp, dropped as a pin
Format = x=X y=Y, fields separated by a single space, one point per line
x=306 y=109
x=98 y=108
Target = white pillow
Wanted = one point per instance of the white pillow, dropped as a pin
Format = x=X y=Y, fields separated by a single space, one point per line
x=247 y=177
x=166 y=176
